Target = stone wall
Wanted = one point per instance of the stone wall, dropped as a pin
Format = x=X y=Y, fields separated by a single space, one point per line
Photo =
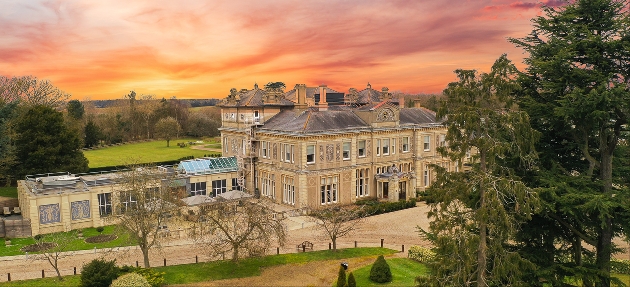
x=15 y=228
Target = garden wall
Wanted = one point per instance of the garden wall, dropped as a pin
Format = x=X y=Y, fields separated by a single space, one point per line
x=16 y=228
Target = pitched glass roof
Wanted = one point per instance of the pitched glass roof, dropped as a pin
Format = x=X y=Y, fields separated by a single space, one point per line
x=208 y=165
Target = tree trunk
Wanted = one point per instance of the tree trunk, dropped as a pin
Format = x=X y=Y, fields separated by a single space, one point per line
x=604 y=239
x=577 y=251
x=167 y=142
x=334 y=243
x=481 y=251
x=145 y=255
x=57 y=270
x=234 y=253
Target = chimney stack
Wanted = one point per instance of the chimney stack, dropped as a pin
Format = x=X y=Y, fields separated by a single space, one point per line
x=323 y=105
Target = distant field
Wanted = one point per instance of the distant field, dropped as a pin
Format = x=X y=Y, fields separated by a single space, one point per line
x=8 y=191
x=146 y=152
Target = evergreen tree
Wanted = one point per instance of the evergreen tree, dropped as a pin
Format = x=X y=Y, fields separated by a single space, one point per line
x=7 y=151
x=576 y=92
x=75 y=109
x=93 y=134
x=351 y=281
x=380 y=271
x=341 y=277
x=44 y=144
x=476 y=211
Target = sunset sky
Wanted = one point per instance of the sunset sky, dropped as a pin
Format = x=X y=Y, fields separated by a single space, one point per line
x=202 y=48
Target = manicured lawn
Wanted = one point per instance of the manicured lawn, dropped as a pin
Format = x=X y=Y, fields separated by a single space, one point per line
x=404 y=272
x=145 y=152
x=216 y=270
x=8 y=192
x=77 y=244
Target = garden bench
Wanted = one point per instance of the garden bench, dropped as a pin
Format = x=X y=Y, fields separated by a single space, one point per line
x=304 y=246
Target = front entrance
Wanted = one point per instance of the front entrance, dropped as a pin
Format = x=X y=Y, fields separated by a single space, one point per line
x=402 y=186
x=385 y=189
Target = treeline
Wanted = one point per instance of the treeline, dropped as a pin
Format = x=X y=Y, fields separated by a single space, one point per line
x=194 y=103
x=42 y=131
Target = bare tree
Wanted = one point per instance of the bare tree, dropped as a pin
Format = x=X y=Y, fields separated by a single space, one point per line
x=31 y=91
x=146 y=108
x=338 y=221
x=249 y=226
x=54 y=247
x=143 y=202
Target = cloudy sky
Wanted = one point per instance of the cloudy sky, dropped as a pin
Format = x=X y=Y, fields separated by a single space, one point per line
x=202 y=48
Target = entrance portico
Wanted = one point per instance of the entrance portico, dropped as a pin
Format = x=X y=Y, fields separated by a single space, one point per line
x=392 y=185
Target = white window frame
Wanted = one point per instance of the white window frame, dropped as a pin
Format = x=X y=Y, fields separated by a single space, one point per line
x=362 y=183
x=378 y=147
x=288 y=153
x=226 y=145
x=385 y=147
x=198 y=188
x=288 y=190
x=442 y=140
x=427 y=176
x=405 y=144
x=393 y=146
x=361 y=150
x=347 y=146
x=264 y=149
x=427 y=143
x=310 y=153
x=219 y=186
x=104 y=203
x=329 y=189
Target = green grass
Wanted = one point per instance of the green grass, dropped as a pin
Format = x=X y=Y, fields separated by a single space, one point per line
x=8 y=191
x=217 y=270
x=145 y=152
x=77 y=244
x=404 y=272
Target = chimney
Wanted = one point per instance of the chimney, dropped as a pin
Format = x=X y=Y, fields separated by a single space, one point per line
x=385 y=94
x=323 y=105
x=401 y=101
x=300 y=95
x=417 y=103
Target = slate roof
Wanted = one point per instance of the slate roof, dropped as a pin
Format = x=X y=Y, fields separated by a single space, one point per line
x=254 y=98
x=312 y=120
x=310 y=93
x=418 y=116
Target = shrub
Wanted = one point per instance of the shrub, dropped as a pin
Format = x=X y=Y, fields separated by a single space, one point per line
x=131 y=279
x=380 y=272
x=100 y=229
x=373 y=207
x=351 y=281
x=341 y=278
x=99 y=273
x=421 y=254
x=154 y=278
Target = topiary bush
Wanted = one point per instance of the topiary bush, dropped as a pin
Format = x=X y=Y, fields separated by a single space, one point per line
x=100 y=229
x=155 y=279
x=131 y=279
x=351 y=281
x=380 y=272
x=421 y=254
x=341 y=278
x=99 y=273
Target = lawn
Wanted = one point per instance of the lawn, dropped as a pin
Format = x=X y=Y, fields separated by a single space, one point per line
x=404 y=272
x=77 y=244
x=145 y=152
x=8 y=191
x=216 y=270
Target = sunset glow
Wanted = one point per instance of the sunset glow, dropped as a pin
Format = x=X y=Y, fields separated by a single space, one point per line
x=201 y=49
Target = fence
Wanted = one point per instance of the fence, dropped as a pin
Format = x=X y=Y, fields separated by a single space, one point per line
x=173 y=259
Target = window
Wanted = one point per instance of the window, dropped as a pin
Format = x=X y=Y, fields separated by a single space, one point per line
x=405 y=144
x=235 y=185
x=218 y=187
x=386 y=147
x=273 y=186
x=426 y=175
x=288 y=194
x=328 y=189
x=442 y=140
x=104 y=204
x=264 y=189
x=346 y=150
x=287 y=152
x=362 y=182
x=427 y=143
x=256 y=117
x=361 y=148
x=378 y=147
x=198 y=188
x=225 y=145
x=265 y=149
x=393 y=146
x=310 y=154
x=127 y=201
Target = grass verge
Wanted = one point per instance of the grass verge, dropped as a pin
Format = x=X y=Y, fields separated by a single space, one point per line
x=404 y=272
x=9 y=191
x=217 y=270
x=145 y=152
x=77 y=244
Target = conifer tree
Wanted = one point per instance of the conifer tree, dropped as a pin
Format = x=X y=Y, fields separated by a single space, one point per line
x=576 y=91
x=477 y=210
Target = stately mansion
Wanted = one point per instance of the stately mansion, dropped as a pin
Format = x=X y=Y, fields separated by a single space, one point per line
x=305 y=149
x=314 y=146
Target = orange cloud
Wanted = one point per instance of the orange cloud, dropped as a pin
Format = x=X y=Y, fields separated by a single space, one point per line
x=194 y=48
